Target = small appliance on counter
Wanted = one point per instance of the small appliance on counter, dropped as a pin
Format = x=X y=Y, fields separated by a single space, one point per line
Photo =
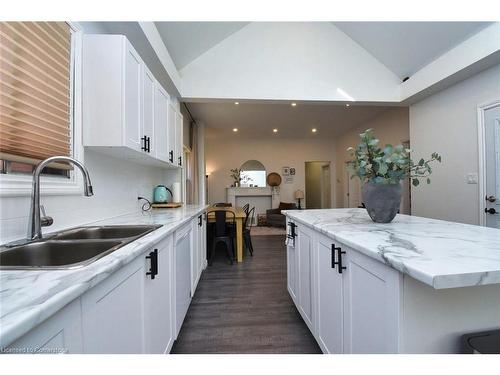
x=160 y=198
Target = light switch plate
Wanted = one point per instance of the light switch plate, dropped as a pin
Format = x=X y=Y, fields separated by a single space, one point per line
x=472 y=178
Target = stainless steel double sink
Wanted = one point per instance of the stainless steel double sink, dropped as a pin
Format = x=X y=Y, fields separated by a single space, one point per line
x=71 y=248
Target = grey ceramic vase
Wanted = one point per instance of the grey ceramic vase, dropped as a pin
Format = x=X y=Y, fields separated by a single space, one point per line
x=382 y=201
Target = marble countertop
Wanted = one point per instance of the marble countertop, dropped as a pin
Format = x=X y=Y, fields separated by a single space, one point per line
x=439 y=253
x=27 y=298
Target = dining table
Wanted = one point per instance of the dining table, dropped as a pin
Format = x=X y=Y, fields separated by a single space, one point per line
x=240 y=216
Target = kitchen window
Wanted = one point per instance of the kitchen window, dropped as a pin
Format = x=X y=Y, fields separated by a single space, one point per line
x=38 y=84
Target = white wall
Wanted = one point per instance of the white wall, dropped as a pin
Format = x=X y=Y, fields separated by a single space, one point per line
x=390 y=126
x=289 y=60
x=225 y=154
x=446 y=123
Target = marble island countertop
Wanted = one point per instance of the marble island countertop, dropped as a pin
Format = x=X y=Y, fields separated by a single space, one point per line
x=439 y=253
x=29 y=297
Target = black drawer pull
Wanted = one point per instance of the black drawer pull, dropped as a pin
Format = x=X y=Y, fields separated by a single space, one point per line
x=339 y=257
x=171 y=157
x=144 y=144
x=153 y=270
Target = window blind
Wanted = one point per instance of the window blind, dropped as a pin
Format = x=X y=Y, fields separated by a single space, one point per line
x=35 y=81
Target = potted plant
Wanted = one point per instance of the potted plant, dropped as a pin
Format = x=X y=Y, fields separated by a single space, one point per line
x=236 y=176
x=381 y=171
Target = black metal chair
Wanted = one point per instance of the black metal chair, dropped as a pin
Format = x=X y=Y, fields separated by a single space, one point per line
x=247 y=238
x=222 y=204
x=222 y=233
x=246 y=208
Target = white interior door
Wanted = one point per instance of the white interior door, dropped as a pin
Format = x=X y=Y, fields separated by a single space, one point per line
x=353 y=190
x=492 y=142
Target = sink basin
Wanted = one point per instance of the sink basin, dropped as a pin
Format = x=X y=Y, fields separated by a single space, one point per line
x=71 y=248
x=105 y=232
x=56 y=254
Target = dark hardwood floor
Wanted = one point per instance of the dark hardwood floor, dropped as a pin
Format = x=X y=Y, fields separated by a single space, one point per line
x=245 y=308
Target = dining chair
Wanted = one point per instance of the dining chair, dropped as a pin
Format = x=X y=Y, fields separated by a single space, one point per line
x=222 y=233
x=246 y=208
x=247 y=237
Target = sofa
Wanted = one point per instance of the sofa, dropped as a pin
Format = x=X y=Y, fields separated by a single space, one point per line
x=275 y=218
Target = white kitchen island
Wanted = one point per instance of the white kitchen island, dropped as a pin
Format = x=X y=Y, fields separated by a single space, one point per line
x=411 y=286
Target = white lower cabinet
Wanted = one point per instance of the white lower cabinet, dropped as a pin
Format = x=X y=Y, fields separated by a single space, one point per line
x=371 y=305
x=350 y=302
x=183 y=241
x=291 y=256
x=329 y=298
x=113 y=312
x=61 y=333
x=304 y=248
x=158 y=299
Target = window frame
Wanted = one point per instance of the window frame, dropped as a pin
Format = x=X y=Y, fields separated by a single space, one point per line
x=18 y=185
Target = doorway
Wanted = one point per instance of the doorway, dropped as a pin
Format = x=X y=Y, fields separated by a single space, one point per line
x=490 y=193
x=318 y=184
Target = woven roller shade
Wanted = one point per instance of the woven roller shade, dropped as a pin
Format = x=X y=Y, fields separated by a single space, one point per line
x=35 y=64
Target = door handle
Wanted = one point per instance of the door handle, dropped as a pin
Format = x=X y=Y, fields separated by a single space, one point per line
x=491 y=199
x=491 y=211
x=153 y=270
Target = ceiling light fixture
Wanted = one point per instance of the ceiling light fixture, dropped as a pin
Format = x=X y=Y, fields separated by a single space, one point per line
x=236 y=103
x=294 y=104
x=347 y=105
x=275 y=130
x=314 y=130
x=235 y=130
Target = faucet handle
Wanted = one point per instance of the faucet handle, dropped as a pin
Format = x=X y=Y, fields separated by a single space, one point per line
x=45 y=221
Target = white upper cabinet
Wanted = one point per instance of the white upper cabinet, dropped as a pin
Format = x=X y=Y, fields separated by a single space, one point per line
x=161 y=123
x=172 y=115
x=125 y=109
x=149 y=108
x=178 y=139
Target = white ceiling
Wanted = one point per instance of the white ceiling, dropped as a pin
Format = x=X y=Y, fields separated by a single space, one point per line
x=257 y=120
x=406 y=47
x=185 y=41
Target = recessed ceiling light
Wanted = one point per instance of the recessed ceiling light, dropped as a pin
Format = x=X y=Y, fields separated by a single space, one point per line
x=236 y=103
x=294 y=104
x=347 y=105
x=314 y=130
x=275 y=130
x=235 y=130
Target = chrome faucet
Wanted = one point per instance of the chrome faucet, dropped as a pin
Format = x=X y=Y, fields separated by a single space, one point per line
x=36 y=222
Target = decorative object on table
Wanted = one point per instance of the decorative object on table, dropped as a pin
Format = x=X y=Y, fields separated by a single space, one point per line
x=261 y=220
x=238 y=177
x=299 y=194
x=166 y=205
x=160 y=194
x=274 y=216
x=381 y=170
x=273 y=179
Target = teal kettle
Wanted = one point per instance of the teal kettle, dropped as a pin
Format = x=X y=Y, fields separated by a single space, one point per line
x=160 y=194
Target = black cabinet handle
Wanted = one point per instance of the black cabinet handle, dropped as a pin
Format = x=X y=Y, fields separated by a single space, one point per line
x=153 y=270
x=199 y=221
x=144 y=144
x=490 y=211
x=339 y=257
x=171 y=157
x=180 y=160
x=149 y=144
